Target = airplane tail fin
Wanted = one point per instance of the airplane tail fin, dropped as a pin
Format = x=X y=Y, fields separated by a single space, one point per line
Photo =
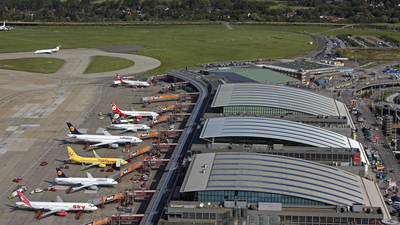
x=72 y=154
x=119 y=78
x=4 y=24
x=113 y=121
x=23 y=199
x=73 y=129
x=61 y=173
x=115 y=108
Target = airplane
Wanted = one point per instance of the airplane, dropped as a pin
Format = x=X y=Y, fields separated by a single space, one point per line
x=4 y=26
x=106 y=139
x=128 y=127
x=133 y=113
x=96 y=161
x=88 y=181
x=134 y=83
x=48 y=51
x=60 y=207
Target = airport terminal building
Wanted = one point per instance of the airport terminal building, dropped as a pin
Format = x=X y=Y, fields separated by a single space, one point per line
x=251 y=188
x=278 y=101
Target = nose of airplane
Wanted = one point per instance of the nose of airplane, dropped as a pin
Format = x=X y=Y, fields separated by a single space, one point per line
x=94 y=207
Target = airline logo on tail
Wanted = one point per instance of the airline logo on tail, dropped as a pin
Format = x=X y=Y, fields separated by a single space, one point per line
x=72 y=154
x=72 y=129
x=23 y=199
x=60 y=173
x=115 y=108
x=113 y=121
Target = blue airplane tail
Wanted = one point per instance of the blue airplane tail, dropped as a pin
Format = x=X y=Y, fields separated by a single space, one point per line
x=60 y=173
x=72 y=129
x=113 y=121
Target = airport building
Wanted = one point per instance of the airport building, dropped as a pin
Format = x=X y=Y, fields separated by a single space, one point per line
x=280 y=137
x=305 y=69
x=251 y=188
x=255 y=75
x=280 y=101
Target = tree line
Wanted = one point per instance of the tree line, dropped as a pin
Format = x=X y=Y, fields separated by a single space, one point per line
x=350 y=11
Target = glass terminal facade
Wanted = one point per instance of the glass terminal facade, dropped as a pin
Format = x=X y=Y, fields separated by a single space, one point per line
x=252 y=197
x=259 y=110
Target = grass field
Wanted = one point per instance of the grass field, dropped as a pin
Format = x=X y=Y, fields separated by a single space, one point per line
x=371 y=55
x=177 y=46
x=36 y=65
x=106 y=63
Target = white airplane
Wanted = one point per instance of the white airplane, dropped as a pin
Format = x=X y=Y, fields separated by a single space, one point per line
x=88 y=181
x=134 y=83
x=133 y=113
x=106 y=139
x=128 y=127
x=48 y=51
x=4 y=26
x=60 y=207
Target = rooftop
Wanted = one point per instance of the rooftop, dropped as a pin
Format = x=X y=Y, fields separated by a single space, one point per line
x=277 y=96
x=275 y=174
x=253 y=75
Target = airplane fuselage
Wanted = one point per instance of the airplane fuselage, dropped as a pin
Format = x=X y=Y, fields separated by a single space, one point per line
x=98 y=160
x=139 y=113
x=83 y=180
x=102 y=138
x=68 y=206
x=135 y=83
x=131 y=126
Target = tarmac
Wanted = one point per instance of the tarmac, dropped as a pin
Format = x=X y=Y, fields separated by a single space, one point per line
x=34 y=109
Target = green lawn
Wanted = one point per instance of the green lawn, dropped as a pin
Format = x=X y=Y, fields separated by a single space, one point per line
x=178 y=46
x=107 y=63
x=371 y=55
x=36 y=65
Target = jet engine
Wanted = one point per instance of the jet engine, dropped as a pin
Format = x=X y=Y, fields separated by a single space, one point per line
x=93 y=187
x=113 y=146
x=62 y=213
x=102 y=165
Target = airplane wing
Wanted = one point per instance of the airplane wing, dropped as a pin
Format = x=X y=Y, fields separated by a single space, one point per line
x=106 y=133
x=103 y=143
x=131 y=129
x=55 y=210
x=91 y=165
x=59 y=199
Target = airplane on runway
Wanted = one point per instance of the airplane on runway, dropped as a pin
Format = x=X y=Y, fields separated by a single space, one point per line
x=97 y=161
x=60 y=207
x=128 y=127
x=88 y=181
x=133 y=113
x=106 y=139
x=48 y=51
x=134 y=83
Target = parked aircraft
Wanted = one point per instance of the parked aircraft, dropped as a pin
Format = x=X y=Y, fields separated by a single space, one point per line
x=4 y=27
x=128 y=127
x=60 y=207
x=97 y=161
x=106 y=139
x=48 y=51
x=134 y=83
x=88 y=181
x=133 y=113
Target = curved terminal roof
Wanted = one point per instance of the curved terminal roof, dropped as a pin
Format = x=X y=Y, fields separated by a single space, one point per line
x=285 y=130
x=274 y=174
x=277 y=96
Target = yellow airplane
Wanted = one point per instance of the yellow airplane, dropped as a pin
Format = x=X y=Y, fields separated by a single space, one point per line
x=97 y=161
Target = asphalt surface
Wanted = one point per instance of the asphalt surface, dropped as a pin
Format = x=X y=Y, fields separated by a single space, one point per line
x=33 y=111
